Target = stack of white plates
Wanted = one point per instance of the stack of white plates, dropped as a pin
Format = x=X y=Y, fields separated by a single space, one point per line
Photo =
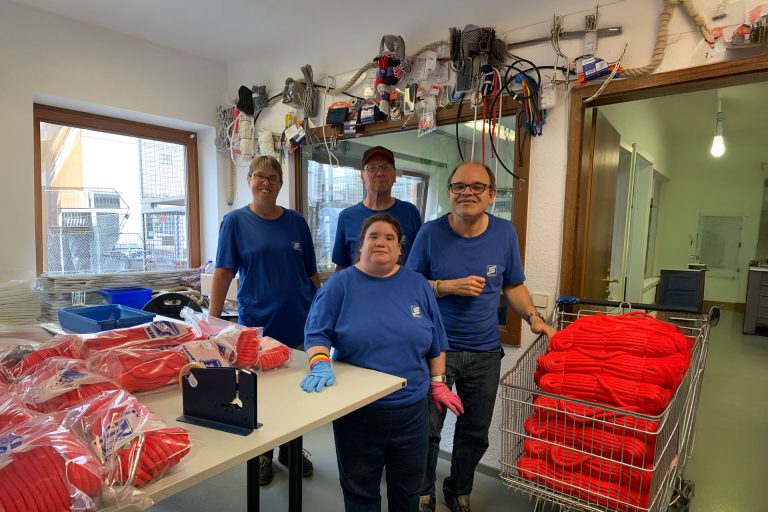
x=18 y=303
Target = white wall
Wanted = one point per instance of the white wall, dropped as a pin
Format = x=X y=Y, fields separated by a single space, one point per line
x=57 y=61
x=702 y=184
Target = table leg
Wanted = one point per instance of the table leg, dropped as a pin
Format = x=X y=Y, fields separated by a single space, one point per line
x=295 y=453
x=252 y=484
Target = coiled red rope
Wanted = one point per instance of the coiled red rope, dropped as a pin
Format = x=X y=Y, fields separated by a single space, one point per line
x=47 y=469
x=58 y=383
x=138 y=370
x=125 y=433
x=13 y=412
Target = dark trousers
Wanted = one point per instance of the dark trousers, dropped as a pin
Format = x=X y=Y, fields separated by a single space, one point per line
x=369 y=440
x=476 y=375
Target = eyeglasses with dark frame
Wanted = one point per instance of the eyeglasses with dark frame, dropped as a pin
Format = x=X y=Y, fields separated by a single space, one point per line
x=274 y=180
x=476 y=188
x=377 y=168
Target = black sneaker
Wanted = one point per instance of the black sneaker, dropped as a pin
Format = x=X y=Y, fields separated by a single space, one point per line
x=265 y=470
x=306 y=465
x=458 y=503
x=426 y=503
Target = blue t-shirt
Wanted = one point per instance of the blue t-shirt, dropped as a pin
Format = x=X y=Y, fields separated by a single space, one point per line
x=351 y=222
x=275 y=259
x=390 y=324
x=440 y=253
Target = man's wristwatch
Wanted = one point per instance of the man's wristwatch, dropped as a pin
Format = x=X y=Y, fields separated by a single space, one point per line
x=437 y=378
x=529 y=317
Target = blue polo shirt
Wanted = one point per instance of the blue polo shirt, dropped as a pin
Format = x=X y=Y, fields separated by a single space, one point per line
x=440 y=253
x=275 y=259
x=351 y=222
x=390 y=324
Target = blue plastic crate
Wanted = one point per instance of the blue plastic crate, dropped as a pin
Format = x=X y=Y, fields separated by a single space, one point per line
x=101 y=318
x=131 y=297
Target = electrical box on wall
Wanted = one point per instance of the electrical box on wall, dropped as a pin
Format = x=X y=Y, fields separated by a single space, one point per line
x=205 y=286
x=540 y=300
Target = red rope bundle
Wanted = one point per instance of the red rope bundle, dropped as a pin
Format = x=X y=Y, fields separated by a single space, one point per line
x=584 y=486
x=604 y=389
x=46 y=469
x=272 y=354
x=160 y=450
x=60 y=346
x=58 y=383
x=634 y=333
x=666 y=372
x=142 y=369
x=546 y=407
x=115 y=423
x=247 y=347
x=629 y=449
x=575 y=461
x=143 y=336
x=13 y=412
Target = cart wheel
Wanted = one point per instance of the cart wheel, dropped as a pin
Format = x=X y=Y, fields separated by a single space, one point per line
x=714 y=316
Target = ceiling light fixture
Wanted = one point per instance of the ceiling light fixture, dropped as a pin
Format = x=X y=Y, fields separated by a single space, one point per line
x=718 y=144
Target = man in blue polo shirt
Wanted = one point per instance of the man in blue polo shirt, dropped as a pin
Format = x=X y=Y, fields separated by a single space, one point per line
x=378 y=176
x=470 y=257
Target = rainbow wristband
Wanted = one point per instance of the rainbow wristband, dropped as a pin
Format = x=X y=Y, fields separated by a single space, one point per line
x=318 y=358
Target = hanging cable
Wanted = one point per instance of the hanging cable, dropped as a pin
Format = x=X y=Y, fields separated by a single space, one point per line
x=458 y=120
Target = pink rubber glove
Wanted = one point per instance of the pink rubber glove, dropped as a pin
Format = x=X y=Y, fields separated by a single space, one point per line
x=444 y=397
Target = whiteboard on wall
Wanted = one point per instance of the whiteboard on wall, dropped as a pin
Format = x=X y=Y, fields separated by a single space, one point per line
x=719 y=243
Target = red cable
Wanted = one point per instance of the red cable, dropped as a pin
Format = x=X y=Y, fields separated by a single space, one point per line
x=138 y=370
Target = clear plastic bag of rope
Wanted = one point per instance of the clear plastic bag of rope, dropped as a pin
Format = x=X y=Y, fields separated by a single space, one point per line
x=13 y=411
x=160 y=333
x=58 y=383
x=140 y=369
x=134 y=446
x=44 y=467
x=250 y=348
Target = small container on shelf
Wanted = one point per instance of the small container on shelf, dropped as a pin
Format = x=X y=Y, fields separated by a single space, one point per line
x=130 y=297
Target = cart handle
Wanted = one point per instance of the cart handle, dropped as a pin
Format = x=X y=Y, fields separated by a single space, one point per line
x=712 y=318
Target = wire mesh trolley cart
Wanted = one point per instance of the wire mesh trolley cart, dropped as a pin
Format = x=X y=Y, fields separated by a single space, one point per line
x=586 y=456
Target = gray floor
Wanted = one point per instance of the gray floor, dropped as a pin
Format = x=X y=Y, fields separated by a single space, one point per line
x=729 y=463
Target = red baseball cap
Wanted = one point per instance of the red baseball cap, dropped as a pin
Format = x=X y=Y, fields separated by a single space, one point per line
x=379 y=151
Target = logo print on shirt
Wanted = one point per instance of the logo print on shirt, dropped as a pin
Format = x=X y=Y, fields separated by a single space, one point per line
x=416 y=311
x=296 y=246
x=491 y=270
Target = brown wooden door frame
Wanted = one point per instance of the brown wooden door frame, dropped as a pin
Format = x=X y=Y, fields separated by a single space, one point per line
x=711 y=76
x=511 y=332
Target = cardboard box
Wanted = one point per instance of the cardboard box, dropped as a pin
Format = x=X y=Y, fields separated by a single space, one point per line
x=205 y=286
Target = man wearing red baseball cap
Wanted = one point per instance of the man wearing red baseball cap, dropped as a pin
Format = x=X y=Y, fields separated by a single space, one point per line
x=378 y=176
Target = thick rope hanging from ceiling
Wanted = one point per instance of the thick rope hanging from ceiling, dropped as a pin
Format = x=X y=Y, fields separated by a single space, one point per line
x=662 y=33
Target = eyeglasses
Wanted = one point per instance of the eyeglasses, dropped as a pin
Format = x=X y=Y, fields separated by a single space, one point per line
x=377 y=168
x=475 y=188
x=274 y=180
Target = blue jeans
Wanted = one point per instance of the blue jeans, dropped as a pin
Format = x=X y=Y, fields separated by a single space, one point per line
x=370 y=439
x=476 y=375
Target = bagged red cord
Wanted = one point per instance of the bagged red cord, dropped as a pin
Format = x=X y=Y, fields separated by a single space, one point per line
x=45 y=468
x=139 y=369
x=633 y=333
x=58 y=383
x=162 y=333
x=60 y=346
x=240 y=341
x=626 y=394
x=13 y=411
x=135 y=446
x=573 y=460
x=272 y=354
x=667 y=372
x=636 y=449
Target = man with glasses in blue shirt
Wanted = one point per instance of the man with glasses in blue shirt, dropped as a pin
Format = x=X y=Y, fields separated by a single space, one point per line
x=470 y=257
x=378 y=176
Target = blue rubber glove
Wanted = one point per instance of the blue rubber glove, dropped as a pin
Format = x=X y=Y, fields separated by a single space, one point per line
x=319 y=378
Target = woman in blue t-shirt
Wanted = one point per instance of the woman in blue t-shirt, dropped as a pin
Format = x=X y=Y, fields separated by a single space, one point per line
x=271 y=248
x=379 y=315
